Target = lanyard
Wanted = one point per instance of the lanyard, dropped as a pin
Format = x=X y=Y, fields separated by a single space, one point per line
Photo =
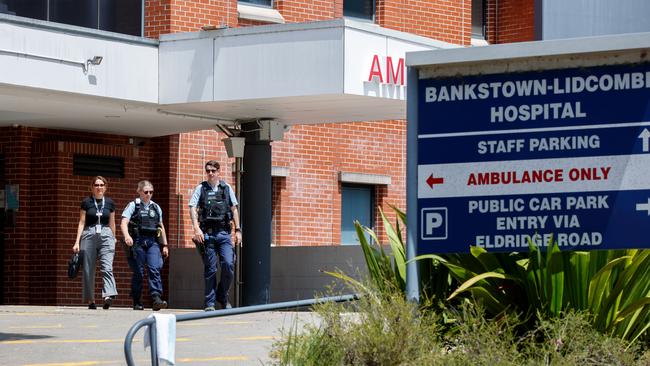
x=99 y=211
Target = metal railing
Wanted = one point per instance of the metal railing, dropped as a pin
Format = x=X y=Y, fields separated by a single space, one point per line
x=150 y=322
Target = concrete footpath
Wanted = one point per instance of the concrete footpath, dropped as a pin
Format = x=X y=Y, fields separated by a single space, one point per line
x=75 y=336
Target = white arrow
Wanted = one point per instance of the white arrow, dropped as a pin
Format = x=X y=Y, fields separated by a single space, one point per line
x=644 y=206
x=645 y=137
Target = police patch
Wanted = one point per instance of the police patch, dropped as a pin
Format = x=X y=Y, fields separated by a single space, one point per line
x=152 y=213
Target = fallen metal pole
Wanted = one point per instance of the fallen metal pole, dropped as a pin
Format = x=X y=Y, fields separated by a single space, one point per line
x=150 y=322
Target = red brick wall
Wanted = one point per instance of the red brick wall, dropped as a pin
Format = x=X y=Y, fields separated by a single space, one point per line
x=310 y=197
x=15 y=145
x=443 y=20
x=173 y=16
x=295 y=11
x=510 y=21
x=307 y=203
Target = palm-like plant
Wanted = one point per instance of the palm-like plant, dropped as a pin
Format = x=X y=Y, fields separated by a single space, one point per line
x=614 y=286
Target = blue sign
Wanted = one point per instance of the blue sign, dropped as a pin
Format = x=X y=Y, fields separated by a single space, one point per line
x=509 y=159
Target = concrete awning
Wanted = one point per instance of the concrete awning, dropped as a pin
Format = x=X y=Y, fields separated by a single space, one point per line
x=321 y=72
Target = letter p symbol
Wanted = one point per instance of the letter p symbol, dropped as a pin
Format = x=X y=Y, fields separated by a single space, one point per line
x=433 y=223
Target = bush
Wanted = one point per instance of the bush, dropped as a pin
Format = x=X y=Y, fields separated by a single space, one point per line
x=383 y=329
x=375 y=330
x=572 y=340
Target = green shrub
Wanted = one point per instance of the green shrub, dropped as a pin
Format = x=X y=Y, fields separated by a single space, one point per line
x=571 y=340
x=476 y=340
x=378 y=329
x=387 y=330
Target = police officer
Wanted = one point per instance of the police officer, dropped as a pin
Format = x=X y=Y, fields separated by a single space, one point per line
x=213 y=209
x=144 y=234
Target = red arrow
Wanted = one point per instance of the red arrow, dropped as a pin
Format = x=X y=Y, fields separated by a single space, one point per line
x=431 y=181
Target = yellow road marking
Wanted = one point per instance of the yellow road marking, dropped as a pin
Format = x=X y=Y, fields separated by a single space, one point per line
x=224 y=358
x=120 y=362
x=254 y=338
x=82 y=363
x=195 y=324
x=25 y=341
x=56 y=341
x=55 y=326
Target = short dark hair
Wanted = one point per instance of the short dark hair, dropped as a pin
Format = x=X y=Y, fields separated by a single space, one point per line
x=213 y=163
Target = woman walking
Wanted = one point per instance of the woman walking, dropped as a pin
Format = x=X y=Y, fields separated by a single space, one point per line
x=96 y=239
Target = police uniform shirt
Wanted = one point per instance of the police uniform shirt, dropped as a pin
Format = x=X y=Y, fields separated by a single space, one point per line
x=194 y=200
x=90 y=206
x=130 y=209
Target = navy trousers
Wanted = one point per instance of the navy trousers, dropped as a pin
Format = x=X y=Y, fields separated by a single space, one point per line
x=218 y=244
x=146 y=251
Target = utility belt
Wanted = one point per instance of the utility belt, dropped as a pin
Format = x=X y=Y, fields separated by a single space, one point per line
x=144 y=233
x=215 y=227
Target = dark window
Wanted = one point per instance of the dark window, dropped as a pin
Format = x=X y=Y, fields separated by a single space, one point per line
x=35 y=9
x=357 y=202
x=362 y=9
x=74 y=12
x=268 y=3
x=89 y=165
x=478 y=19
x=125 y=17
x=121 y=16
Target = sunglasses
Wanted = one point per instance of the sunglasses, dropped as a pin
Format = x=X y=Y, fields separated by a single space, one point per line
x=99 y=185
x=147 y=192
x=211 y=170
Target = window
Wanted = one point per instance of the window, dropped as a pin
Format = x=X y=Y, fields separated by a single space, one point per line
x=121 y=16
x=107 y=166
x=35 y=9
x=357 y=203
x=361 y=9
x=478 y=19
x=268 y=3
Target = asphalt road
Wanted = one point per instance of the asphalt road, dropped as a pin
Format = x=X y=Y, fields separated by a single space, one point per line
x=76 y=336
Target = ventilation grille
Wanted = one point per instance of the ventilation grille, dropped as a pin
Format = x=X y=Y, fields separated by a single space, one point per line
x=89 y=165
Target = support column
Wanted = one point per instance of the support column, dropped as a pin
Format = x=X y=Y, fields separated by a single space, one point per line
x=256 y=219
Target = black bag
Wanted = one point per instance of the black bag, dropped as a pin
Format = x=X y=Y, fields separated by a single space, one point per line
x=73 y=265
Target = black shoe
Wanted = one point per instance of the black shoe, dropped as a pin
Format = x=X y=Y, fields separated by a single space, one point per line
x=158 y=303
x=108 y=301
x=92 y=306
x=137 y=303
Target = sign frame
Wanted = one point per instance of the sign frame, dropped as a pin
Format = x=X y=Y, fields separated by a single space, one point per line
x=493 y=60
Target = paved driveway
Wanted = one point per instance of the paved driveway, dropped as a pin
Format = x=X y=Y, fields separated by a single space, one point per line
x=75 y=336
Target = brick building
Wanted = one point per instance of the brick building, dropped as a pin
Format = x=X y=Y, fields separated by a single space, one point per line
x=323 y=174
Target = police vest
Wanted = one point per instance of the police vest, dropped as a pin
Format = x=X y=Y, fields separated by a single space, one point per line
x=214 y=207
x=144 y=222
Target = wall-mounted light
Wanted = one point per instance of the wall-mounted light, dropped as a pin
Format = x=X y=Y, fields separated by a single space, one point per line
x=96 y=60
